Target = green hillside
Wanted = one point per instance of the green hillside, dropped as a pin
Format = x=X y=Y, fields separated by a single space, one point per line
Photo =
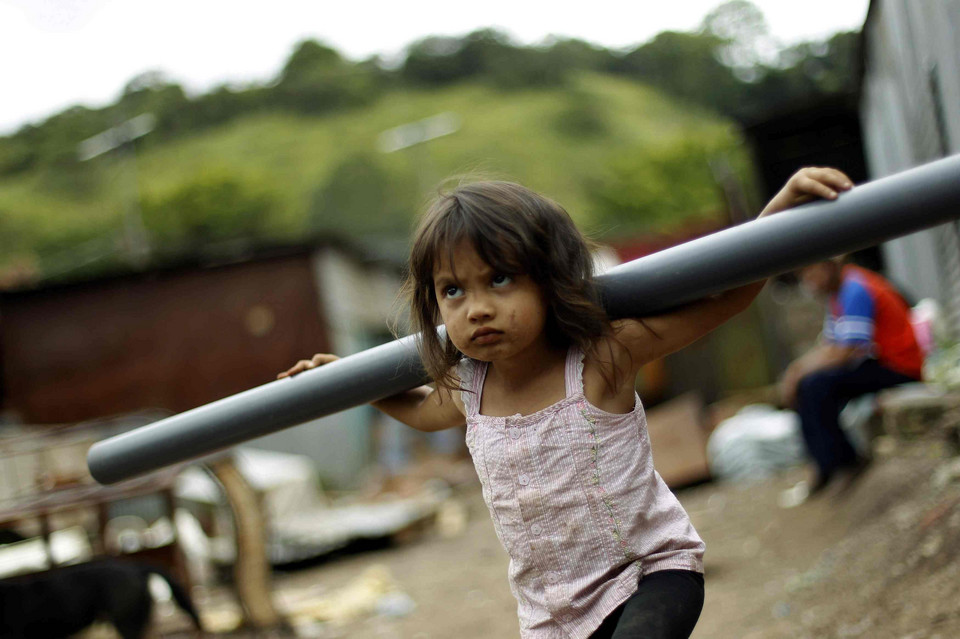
x=621 y=157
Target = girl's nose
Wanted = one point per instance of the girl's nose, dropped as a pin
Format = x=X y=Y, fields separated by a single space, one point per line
x=480 y=309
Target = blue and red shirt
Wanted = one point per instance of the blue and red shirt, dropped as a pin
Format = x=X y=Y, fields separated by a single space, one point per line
x=867 y=311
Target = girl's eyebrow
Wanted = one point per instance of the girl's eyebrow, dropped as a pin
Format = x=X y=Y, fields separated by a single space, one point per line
x=443 y=280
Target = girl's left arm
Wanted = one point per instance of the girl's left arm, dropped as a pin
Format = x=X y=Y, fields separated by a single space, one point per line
x=650 y=338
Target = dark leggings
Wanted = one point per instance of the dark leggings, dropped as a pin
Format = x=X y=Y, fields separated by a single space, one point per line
x=820 y=398
x=666 y=606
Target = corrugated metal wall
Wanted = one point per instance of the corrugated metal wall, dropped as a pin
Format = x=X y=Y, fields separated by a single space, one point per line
x=911 y=115
x=170 y=341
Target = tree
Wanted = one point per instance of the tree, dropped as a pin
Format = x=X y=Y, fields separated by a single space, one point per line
x=638 y=189
x=686 y=65
x=441 y=60
x=571 y=53
x=359 y=197
x=581 y=117
x=316 y=79
x=215 y=205
x=307 y=58
x=485 y=53
x=747 y=45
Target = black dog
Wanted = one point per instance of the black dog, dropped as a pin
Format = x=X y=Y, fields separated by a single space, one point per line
x=65 y=600
x=10 y=536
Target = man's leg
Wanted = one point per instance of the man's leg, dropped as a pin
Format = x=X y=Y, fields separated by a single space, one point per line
x=819 y=409
x=820 y=398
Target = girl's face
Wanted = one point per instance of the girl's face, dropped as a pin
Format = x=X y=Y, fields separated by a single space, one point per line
x=490 y=316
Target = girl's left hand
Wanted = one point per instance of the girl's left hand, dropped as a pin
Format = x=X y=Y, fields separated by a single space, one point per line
x=809 y=184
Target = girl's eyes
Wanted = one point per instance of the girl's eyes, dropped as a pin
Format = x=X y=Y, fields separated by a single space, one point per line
x=452 y=292
x=500 y=280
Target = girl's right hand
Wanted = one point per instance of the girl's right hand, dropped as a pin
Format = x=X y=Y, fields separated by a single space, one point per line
x=305 y=364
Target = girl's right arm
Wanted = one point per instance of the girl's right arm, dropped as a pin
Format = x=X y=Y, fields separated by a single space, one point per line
x=423 y=408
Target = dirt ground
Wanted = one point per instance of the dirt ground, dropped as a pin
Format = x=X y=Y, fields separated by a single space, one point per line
x=879 y=559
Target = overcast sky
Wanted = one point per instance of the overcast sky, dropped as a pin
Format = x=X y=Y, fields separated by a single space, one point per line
x=57 y=53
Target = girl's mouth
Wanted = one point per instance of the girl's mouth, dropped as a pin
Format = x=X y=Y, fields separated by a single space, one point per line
x=485 y=336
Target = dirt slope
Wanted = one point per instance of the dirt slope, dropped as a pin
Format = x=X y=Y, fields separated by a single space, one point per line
x=881 y=559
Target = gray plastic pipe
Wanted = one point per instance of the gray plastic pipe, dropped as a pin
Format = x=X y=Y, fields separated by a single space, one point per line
x=867 y=215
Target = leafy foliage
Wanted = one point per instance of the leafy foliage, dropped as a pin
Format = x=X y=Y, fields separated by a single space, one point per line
x=581 y=117
x=359 y=195
x=487 y=53
x=216 y=205
x=316 y=80
x=731 y=65
x=588 y=125
x=645 y=188
x=685 y=65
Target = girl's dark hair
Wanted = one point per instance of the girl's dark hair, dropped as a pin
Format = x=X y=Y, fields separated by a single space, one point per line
x=515 y=231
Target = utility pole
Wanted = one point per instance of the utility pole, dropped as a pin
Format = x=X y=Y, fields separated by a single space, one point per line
x=415 y=134
x=135 y=242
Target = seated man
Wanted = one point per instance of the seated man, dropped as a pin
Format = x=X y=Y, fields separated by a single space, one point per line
x=868 y=344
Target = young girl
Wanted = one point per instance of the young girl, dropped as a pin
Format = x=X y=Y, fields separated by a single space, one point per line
x=598 y=545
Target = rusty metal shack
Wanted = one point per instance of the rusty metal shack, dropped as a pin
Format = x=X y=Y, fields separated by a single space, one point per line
x=81 y=360
x=169 y=339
